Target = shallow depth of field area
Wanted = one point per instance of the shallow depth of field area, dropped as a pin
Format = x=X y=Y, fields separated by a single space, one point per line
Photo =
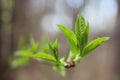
x=49 y=26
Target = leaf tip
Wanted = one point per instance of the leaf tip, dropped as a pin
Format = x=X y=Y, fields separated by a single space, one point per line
x=58 y=25
x=107 y=38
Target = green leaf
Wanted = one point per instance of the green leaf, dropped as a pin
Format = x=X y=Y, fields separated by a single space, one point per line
x=71 y=56
x=60 y=68
x=44 y=45
x=79 y=29
x=77 y=59
x=56 y=45
x=34 y=47
x=62 y=60
x=19 y=62
x=23 y=53
x=44 y=56
x=93 y=45
x=55 y=50
x=50 y=45
x=70 y=36
x=45 y=48
x=84 y=36
x=79 y=24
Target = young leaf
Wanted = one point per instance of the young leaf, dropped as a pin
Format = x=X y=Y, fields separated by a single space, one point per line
x=19 y=62
x=34 y=47
x=55 y=50
x=45 y=48
x=50 y=46
x=79 y=29
x=56 y=45
x=44 y=56
x=70 y=36
x=79 y=24
x=84 y=36
x=71 y=56
x=62 y=60
x=77 y=58
x=93 y=45
x=23 y=53
x=60 y=68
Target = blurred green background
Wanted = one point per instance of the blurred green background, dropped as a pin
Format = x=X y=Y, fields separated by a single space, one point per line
x=20 y=18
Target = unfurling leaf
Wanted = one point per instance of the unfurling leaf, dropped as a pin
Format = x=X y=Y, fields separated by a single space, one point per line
x=84 y=36
x=79 y=24
x=79 y=29
x=50 y=45
x=56 y=52
x=82 y=32
x=54 y=49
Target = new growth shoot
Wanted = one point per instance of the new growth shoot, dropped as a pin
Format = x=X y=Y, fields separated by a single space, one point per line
x=79 y=48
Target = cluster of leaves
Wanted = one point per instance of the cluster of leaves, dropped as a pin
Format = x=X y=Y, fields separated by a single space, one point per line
x=78 y=41
x=22 y=56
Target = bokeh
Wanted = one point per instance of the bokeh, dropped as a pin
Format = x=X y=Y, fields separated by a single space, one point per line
x=20 y=18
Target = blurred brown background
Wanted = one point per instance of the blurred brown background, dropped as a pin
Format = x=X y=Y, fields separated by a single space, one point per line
x=20 y=18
